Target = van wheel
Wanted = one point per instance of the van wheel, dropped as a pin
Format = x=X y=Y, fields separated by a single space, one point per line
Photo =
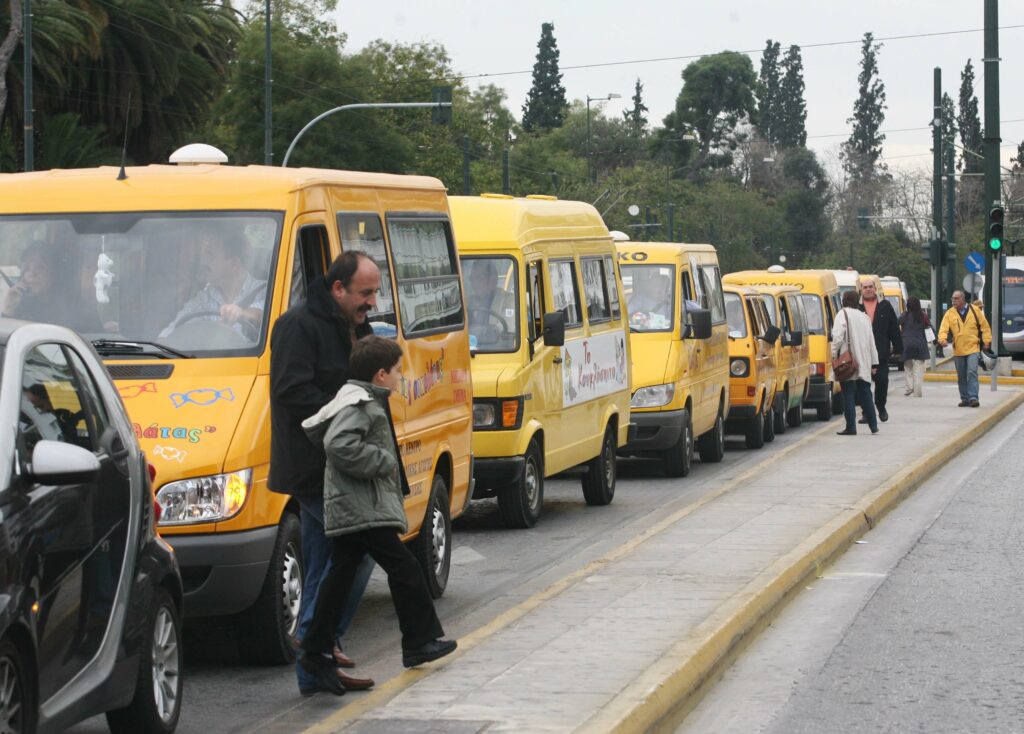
x=599 y=481
x=16 y=707
x=433 y=545
x=795 y=416
x=267 y=628
x=679 y=458
x=824 y=411
x=157 y=702
x=779 y=414
x=520 y=504
x=712 y=444
x=769 y=426
x=755 y=431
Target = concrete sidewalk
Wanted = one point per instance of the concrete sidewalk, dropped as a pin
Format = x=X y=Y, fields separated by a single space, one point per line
x=627 y=640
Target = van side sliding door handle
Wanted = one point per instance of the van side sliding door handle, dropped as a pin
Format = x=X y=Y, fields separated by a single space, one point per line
x=557 y=360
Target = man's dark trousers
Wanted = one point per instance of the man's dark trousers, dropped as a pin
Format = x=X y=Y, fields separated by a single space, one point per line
x=881 y=380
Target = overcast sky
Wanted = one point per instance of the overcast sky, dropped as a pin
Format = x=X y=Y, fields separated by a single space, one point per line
x=620 y=40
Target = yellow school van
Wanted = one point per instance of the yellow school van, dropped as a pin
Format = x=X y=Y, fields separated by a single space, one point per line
x=680 y=352
x=820 y=295
x=752 y=375
x=549 y=345
x=792 y=355
x=143 y=265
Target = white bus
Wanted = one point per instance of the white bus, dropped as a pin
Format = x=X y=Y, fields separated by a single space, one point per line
x=1013 y=305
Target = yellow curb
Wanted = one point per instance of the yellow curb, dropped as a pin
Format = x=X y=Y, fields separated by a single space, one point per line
x=671 y=683
x=982 y=378
x=392 y=688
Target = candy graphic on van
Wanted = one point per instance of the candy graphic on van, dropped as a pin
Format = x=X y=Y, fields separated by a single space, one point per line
x=169 y=453
x=201 y=396
x=154 y=430
x=133 y=391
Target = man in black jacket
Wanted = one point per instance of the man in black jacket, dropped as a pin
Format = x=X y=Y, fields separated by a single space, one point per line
x=310 y=345
x=886 y=327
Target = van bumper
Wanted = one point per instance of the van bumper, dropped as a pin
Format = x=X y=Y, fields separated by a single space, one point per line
x=495 y=473
x=741 y=412
x=819 y=390
x=223 y=573
x=654 y=431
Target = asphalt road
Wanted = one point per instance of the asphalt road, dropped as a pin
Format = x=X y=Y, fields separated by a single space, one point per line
x=918 y=628
x=493 y=568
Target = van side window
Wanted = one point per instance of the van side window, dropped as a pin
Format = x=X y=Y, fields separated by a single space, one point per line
x=52 y=407
x=757 y=326
x=535 y=300
x=712 y=287
x=691 y=300
x=312 y=254
x=362 y=231
x=594 y=289
x=796 y=312
x=613 y=287
x=426 y=275
x=566 y=291
x=785 y=317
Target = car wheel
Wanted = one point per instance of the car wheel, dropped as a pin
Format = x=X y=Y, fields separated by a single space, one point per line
x=433 y=545
x=755 y=431
x=16 y=707
x=779 y=417
x=769 y=426
x=521 y=503
x=795 y=415
x=266 y=630
x=824 y=411
x=679 y=458
x=157 y=702
x=599 y=481
x=712 y=444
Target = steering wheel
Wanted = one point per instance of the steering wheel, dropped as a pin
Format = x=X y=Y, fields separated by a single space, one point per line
x=488 y=317
x=209 y=333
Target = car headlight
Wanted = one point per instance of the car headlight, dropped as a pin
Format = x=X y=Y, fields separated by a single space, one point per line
x=484 y=415
x=739 y=367
x=204 y=499
x=653 y=397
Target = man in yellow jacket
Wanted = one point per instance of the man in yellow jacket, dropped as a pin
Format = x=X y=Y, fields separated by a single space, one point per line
x=966 y=326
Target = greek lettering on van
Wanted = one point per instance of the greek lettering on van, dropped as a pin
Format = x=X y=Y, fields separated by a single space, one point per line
x=634 y=257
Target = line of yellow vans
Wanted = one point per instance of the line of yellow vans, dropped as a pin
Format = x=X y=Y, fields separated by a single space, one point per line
x=539 y=344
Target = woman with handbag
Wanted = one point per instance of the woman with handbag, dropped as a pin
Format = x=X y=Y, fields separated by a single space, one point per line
x=915 y=327
x=854 y=360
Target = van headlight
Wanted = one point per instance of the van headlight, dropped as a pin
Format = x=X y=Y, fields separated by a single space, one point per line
x=653 y=397
x=739 y=367
x=204 y=499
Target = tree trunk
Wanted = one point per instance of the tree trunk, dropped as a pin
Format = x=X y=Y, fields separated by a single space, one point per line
x=7 y=49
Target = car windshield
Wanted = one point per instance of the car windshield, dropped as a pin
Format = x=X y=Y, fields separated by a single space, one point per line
x=734 y=316
x=814 y=312
x=1013 y=291
x=895 y=302
x=650 y=295
x=492 y=301
x=163 y=284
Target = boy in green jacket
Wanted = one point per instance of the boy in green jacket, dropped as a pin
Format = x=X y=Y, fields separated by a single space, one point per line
x=364 y=512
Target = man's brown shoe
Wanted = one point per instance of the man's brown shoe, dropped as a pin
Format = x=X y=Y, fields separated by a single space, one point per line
x=354 y=684
x=343 y=660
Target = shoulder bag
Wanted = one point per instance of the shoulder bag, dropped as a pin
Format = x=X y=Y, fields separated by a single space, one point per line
x=845 y=367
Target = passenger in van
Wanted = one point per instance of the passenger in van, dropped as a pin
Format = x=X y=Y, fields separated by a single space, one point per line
x=231 y=295
x=650 y=303
x=34 y=296
x=485 y=303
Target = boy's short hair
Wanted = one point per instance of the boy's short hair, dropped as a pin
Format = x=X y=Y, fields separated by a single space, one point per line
x=370 y=354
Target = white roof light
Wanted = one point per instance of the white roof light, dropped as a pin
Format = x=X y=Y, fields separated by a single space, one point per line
x=776 y=269
x=618 y=236
x=195 y=154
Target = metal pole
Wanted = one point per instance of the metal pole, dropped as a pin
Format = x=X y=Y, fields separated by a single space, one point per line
x=936 y=242
x=357 y=106
x=29 y=123
x=590 y=173
x=950 y=224
x=465 y=165
x=506 y=185
x=992 y=140
x=268 y=112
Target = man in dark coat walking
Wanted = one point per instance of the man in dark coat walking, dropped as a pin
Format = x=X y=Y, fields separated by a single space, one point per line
x=310 y=346
x=886 y=327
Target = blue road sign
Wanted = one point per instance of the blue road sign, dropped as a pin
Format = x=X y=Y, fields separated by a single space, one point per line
x=975 y=262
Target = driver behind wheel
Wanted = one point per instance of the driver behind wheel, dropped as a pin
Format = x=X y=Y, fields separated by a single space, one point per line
x=231 y=295
x=487 y=302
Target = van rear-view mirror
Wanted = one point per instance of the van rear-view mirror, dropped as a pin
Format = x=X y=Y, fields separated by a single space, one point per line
x=700 y=324
x=554 y=329
x=795 y=339
x=771 y=334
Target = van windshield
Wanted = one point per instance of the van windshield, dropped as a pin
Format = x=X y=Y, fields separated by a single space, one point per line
x=815 y=314
x=144 y=284
x=492 y=301
x=650 y=295
x=734 y=316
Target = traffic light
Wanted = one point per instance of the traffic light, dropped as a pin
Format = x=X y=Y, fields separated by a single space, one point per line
x=442 y=115
x=995 y=229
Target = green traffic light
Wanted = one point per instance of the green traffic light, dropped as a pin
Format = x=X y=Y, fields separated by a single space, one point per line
x=995 y=244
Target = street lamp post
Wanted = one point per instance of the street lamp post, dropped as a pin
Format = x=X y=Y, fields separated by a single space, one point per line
x=610 y=95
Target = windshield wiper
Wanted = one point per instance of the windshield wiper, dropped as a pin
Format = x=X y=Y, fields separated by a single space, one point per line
x=125 y=346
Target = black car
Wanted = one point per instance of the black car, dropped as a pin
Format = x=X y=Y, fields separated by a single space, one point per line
x=90 y=596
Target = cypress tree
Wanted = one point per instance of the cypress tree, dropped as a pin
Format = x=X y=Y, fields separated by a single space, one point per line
x=636 y=120
x=862 y=152
x=545 y=104
x=948 y=118
x=792 y=114
x=767 y=92
x=970 y=124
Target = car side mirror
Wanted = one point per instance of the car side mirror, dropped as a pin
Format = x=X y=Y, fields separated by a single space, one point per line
x=554 y=329
x=699 y=326
x=55 y=462
x=771 y=334
x=795 y=339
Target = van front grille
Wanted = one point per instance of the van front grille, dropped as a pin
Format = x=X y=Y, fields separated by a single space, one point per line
x=140 y=371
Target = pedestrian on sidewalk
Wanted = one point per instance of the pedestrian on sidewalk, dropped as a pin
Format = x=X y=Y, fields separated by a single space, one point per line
x=967 y=328
x=913 y=323
x=851 y=331
x=309 y=360
x=364 y=512
x=886 y=329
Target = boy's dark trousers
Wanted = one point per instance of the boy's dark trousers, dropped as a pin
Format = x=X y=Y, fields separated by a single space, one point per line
x=409 y=593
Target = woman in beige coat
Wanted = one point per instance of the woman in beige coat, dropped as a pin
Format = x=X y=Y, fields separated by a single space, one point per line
x=852 y=331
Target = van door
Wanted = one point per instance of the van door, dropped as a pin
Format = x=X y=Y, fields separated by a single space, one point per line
x=693 y=351
x=568 y=432
x=543 y=383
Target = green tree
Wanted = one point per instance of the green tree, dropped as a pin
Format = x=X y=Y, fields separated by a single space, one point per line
x=768 y=92
x=545 y=104
x=65 y=142
x=862 y=152
x=791 y=125
x=804 y=201
x=717 y=94
x=969 y=124
x=949 y=123
x=636 y=120
x=1018 y=160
